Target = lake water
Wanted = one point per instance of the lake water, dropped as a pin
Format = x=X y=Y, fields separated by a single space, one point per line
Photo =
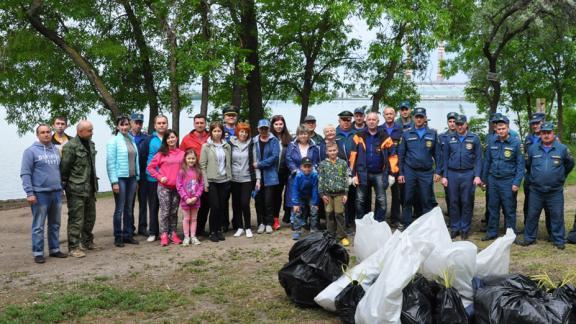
x=13 y=146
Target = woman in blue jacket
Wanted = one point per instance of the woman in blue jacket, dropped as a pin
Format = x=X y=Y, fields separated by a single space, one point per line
x=123 y=172
x=301 y=147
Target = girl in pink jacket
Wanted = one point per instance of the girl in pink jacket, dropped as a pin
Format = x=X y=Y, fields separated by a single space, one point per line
x=164 y=167
x=190 y=186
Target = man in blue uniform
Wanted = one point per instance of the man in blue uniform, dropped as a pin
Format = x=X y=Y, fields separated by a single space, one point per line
x=462 y=157
x=405 y=120
x=533 y=138
x=503 y=171
x=418 y=152
x=549 y=163
x=451 y=121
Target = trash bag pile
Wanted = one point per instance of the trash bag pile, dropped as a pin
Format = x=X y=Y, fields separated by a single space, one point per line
x=314 y=263
x=420 y=276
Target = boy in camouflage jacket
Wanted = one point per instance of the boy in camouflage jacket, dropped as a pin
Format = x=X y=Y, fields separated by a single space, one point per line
x=333 y=174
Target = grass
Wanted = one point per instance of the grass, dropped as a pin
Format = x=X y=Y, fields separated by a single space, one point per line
x=92 y=299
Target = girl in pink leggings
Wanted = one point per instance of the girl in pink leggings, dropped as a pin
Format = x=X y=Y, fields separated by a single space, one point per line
x=190 y=187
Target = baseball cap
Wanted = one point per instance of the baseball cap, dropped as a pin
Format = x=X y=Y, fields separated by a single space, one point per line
x=264 y=123
x=451 y=115
x=137 y=116
x=306 y=161
x=360 y=110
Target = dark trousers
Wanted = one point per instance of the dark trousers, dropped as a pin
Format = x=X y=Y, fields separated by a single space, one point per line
x=153 y=207
x=396 y=202
x=203 y=214
x=142 y=208
x=553 y=203
x=419 y=186
x=265 y=205
x=226 y=213
x=527 y=206
x=572 y=235
x=280 y=196
x=461 y=191
x=350 y=208
x=123 y=211
x=375 y=181
x=218 y=194
x=241 y=193
x=501 y=194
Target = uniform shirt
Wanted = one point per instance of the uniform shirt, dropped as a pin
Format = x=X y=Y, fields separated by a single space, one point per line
x=442 y=138
x=417 y=152
x=504 y=160
x=462 y=153
x=549 y=166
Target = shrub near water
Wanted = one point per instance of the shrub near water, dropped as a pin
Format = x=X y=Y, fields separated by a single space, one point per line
x=89 y=299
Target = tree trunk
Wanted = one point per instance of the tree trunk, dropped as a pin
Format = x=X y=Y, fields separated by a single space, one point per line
x=236 y=85
x=204 y=7
x=149 y=87
x=306 y=87
x=377 y=96
x=560 y=112
x=249 y=35
x=494 y=98
x=32 y=15
x=174 y=86
x=529 y=105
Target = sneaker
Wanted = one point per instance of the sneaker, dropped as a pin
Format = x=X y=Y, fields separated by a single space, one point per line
x=261 y=228
x=39 y=259
x=92 y=246
x=296 y=236
x=175 y=239
x=276 y=225
x=151 y=238
x=239 y=232
x=220 y=236
x=194 y=240
x=164 y=239
x=213 y=237
x=186 y=241
x=345 y=242
x=249 y=233
x=269 y=229
x=76 y=253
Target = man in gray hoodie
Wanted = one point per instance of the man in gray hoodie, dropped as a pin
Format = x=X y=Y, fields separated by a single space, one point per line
x=40 y=173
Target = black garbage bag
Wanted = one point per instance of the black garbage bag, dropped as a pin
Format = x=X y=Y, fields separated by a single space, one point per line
x=417 y=299
x=347 y=301
x=567 y=293
x=314 y=269
x=449 y=308
x=517 y=299
x=304 y=244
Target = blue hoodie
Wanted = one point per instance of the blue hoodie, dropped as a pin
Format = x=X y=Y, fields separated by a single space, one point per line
x=40 y=170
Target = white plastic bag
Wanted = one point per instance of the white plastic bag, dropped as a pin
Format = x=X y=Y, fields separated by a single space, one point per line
x=430 y=227
x=370 y=236
x=369 y=269
x=383 y=300
x=495 y=259
x=459 y=257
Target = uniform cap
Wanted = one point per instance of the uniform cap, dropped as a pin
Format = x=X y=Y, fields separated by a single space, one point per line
x=451 y=115
x=503 y=119
x=461 y=119
x=547 y=127
x=537 y=117
x=495 y=117
x=346 y=113
x=405 y=104
x=230 y=110
x=419 y=111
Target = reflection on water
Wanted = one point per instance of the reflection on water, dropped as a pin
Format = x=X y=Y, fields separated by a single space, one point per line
x=13 y=146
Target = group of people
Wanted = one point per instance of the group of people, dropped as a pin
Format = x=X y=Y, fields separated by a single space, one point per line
x=309 y=177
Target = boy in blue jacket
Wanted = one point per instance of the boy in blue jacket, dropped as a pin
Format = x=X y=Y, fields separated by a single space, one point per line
x=304 y=193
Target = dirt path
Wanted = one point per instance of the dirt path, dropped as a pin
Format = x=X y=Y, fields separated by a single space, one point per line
x=18 y=271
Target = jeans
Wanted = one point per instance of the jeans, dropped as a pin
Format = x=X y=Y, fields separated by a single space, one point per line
x=48 y=206
x=142 y=209
x=396 y=202
x=299 y=220
x=123 y=212
x=376 y=181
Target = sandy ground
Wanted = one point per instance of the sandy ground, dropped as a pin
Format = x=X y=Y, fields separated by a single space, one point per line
x=18 y=271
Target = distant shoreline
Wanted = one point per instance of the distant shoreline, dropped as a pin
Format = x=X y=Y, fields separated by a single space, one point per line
x=8 y=204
